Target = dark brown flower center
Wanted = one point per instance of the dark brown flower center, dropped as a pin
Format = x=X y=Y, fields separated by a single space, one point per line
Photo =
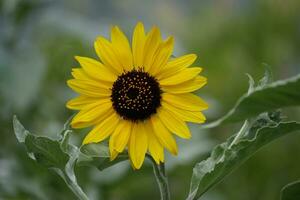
x=136 y=95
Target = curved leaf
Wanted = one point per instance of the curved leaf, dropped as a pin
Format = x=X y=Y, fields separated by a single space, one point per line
x=227 y=157
x=58 y=155
x=291 y=191
x=96 y=154
x=47 y=152
x=279 y=94
x=19 y=130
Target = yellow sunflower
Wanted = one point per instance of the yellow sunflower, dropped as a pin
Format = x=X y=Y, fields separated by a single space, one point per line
x=137 y=96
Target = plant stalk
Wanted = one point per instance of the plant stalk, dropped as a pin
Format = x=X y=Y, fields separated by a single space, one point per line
x=72 y=184
x=161 y=179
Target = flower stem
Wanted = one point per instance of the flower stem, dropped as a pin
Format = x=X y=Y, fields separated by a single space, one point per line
x=76 y=189
x=161 y=179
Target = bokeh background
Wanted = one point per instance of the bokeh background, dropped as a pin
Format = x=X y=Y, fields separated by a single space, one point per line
x=38 y=42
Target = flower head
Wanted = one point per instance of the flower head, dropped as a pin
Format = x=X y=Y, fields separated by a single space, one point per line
x=137 y=96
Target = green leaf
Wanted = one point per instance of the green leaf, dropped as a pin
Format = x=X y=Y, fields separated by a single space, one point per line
x=265 y=97
x=96 y=154
x=47 y=152
x=251 y=83
x=58 y=155
x=20 y=132
x=227 y=157
x=291 y=191
x=267 y=78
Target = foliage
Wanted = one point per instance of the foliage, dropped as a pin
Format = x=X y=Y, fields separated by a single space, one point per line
x=38 y=40
x=258 y=130
x=279 y=94
x=61 y=156
x=226 y=157
x=255 y=133
x=291 y=191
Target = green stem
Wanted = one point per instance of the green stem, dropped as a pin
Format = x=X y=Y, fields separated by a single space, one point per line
x=161 y=179
x=76 y=189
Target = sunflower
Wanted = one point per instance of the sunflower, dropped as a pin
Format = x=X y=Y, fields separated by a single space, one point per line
x=138 y=96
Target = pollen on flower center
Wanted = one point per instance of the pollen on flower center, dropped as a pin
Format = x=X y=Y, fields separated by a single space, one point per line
x=136 y=95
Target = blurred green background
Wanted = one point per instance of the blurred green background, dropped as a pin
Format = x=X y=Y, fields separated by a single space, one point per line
x=39 y=38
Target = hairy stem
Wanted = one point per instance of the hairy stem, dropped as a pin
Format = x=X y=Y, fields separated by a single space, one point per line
x=161 y=179
x=76 y=189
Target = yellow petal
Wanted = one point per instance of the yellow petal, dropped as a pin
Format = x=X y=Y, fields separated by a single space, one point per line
x=84 y=124
x=113 y=155
x=89 y=88
x=180 y=77
x=79 y=102
x=103 y=130
x=176 y=65
x=91 y=113
x=96 y=69
x=138 y=144
x=112 y=151
x=185 y=115
x=187 y=86
x=174 y=124
x=80 y=74
x=163 y=135
x=119 y=139
x=162 y=55
x=138 y=42
x=186 y=101
x=108 y=56
x=151 y=44
x=122 y=48
x=155 y=148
